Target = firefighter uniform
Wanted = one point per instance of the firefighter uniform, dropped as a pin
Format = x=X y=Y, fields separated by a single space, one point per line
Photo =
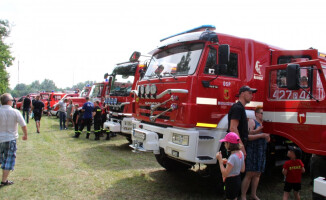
x=97 y=121
x=88 y=108
x=104 y=116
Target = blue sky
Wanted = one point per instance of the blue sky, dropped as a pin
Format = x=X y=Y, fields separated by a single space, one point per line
x=71 y=41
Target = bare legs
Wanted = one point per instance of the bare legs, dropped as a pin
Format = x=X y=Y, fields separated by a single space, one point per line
x=253 y=178
x=5 y=174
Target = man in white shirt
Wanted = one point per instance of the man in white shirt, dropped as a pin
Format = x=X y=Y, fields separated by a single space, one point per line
x=9 y=120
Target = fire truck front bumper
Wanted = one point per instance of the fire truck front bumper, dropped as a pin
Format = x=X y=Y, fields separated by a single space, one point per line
x=112 y=126
x=177 y=143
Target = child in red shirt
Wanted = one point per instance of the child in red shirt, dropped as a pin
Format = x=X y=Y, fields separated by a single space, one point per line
x=292 y=170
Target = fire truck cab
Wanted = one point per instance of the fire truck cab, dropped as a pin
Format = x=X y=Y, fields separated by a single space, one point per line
x=121 y=99
x=190 y=84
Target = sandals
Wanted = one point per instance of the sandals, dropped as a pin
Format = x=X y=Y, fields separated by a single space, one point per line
x=7 y=183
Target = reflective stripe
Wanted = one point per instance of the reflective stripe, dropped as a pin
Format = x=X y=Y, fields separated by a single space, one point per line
x=206 y=101
x=206 y=125
x=254 y=104
x=311 y=118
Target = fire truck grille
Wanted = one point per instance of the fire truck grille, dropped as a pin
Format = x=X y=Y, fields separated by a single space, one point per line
x=149 y=108
x=160 y=117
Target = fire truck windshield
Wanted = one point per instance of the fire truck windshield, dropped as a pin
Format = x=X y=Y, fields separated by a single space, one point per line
x=96 y=91
x=176 y=61
x=121 y=85
x=84 y=92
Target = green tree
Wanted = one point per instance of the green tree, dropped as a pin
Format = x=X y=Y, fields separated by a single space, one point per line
x=48 y=85
x=6 y=58
x=81 y=85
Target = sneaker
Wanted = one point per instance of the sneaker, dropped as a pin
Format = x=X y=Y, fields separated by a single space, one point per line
x=7 y=182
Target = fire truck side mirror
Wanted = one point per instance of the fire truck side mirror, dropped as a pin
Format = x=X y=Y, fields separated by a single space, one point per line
x=293 y=77
x=134 y=56
x=223 y=54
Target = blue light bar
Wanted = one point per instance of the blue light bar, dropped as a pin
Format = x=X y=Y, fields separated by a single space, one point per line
x=191 y=30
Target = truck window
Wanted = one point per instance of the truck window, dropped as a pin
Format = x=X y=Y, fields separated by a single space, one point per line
x=211 y=62
x=232 y=68
x=309 y=81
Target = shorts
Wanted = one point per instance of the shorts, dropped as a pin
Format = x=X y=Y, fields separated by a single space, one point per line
x=289 y=186
x=37 y=116
x=8 y=155
x=232 y=186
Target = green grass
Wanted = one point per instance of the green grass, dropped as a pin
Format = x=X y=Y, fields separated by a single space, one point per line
x=53 y=165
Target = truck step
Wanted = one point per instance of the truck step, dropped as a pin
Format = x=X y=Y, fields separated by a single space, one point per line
x=204 y=158
x=206 y=138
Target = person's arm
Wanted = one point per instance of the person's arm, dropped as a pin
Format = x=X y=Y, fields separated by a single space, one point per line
x=243 y=167
x=234 y=128
x=284 y=172
x=24 y=128
x=224 y=170
x=303 y=170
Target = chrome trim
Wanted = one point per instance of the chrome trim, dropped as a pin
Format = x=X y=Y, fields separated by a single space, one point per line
x=170 y=91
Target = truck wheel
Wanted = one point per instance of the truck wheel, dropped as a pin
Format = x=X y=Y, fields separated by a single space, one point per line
x=171 y=164
x=317 y=169
x=129 y=139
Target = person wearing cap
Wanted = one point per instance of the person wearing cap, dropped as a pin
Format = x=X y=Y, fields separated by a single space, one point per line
x=292 y=170
x=237 y=117
x=234 y=165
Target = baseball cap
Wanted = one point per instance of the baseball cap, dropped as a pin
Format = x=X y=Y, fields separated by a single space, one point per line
x=232 y=138
x=297 y=151
x=246 y=88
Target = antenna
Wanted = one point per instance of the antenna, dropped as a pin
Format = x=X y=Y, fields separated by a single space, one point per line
x=18 y=71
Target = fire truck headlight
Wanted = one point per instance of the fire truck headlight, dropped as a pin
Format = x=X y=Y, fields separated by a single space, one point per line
x=139 y=135
x=147 y=89
x=153 y=89
x=180 y=139
x=142 y=90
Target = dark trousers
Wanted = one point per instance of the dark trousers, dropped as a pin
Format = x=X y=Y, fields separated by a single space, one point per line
x=26 y=112
x=97 y=126
x=62 y=116
x=86 y=122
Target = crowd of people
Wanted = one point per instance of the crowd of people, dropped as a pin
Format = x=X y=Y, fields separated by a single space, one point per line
x=247 y=145
x=245 y=141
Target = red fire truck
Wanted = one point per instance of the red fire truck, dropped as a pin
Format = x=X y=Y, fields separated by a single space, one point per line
x=80 y=100
x=192 y=80
x=121 y=101
x=54 y=110
x=99 y=91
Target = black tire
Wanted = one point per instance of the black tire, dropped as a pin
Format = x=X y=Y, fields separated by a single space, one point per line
x=129 y=139
x=171 y=164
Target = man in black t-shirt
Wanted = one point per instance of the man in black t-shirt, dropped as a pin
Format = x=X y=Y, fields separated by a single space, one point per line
x=97 y=115
x=237 y=117
x=37 y=108
x=26 y=108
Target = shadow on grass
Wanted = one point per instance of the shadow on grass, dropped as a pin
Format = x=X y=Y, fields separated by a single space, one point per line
x=161 y=184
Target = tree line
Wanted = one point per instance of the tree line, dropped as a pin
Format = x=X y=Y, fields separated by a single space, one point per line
x=46 y=85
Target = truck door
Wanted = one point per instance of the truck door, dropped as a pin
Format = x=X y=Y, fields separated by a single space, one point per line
x=216 y=93
x=298 y=114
